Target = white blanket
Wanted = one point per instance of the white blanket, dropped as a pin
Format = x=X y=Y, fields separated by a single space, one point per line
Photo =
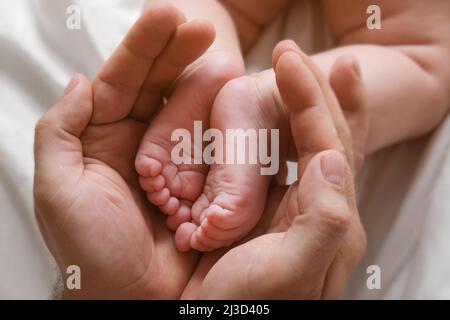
x=403 y=194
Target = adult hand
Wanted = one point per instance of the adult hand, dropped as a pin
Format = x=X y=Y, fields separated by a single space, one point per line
x=307 y=244
x=90 y=208
x=346 y=100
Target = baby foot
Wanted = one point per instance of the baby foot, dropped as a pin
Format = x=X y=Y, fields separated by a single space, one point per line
x=170 y=186
x=233 y=197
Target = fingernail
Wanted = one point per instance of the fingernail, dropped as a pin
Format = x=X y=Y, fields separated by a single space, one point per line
x=72 y=84
x=333 y=168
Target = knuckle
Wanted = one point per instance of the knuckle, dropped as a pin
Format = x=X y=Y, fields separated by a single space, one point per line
x=336 y=217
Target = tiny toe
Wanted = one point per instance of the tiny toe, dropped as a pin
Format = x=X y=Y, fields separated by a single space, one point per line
x=183 y=184
x=221 y=218
x=159 y=198
x=182 y=215
x=152 y=184
x=310 y=110
x=171 y=207
x=198 y=207
x=169 y=171
x=198 y=242
x=221 y=235
x=183 y=236
x=147 y=167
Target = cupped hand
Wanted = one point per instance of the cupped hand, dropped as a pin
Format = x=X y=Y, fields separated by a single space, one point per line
x=89 y=206
x=310 y=237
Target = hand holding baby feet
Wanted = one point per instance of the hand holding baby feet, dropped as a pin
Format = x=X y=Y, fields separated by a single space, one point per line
x=306 y=246
x=88 y=202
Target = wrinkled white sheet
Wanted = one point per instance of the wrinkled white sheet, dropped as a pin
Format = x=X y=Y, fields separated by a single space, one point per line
x=404 y=196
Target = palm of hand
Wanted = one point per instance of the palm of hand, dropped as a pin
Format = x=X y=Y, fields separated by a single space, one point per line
x=128 y=241
x=248 y=262
x=266 y=265
x=261 y=265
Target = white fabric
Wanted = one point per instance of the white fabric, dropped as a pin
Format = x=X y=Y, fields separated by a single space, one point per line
x=404 y=190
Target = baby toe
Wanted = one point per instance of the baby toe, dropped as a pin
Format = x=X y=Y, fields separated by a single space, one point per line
x=222 y=218
x=182 y=215
x=152 y=184
x=171 y=207
x=159 y=198
x=202 y=243
x=147 y=167
x=221 y=235
x=198 y=207
x=183 y=236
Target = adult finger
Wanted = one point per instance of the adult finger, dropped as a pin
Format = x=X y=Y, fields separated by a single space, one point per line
x=346 y=82
x=119 y=81
x=189 y=42
x=328 y=95
x=310 y=117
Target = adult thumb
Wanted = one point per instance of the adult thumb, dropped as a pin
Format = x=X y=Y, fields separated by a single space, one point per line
x=58 y=150
x=321 y=213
